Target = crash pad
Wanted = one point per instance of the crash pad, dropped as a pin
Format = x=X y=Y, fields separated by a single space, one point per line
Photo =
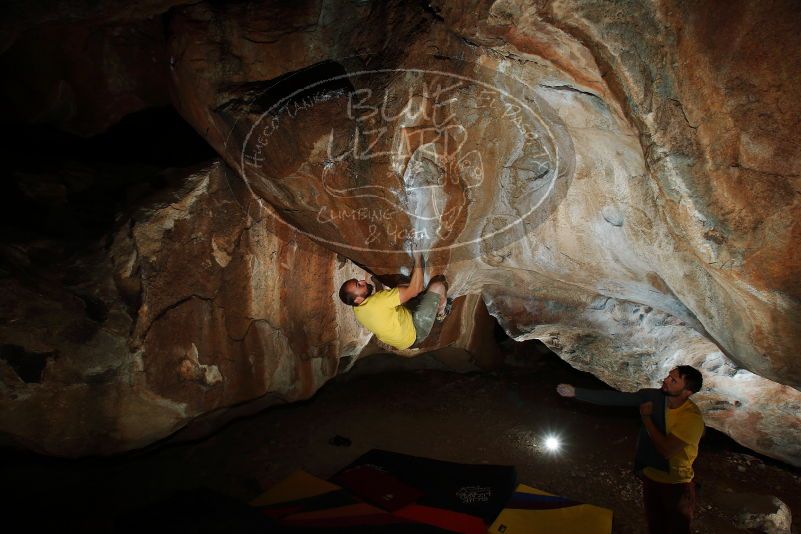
x=533 y=511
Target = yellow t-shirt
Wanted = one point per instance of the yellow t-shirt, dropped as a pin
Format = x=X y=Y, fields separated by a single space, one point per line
x=382 y=314
x=687 y=424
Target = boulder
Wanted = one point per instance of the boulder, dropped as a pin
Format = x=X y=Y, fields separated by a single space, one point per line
x=757 y=513
x=555 y=156
x=617 y=179
x=202 y=302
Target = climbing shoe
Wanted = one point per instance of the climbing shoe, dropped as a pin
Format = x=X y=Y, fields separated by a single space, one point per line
x=445 y=311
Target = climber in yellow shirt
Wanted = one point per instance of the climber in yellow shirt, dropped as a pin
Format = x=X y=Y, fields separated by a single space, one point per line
x=666 y=447
x=669 y=496
x=401 y=316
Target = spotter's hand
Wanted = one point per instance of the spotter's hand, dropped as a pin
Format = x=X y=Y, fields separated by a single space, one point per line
x=566 y=390
x=646 y=409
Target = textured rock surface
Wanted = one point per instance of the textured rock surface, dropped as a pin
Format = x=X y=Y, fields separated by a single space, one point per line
x=646 y=128
x=84 y=92
x=203 y=302
x=218 y=307
x=759 y=513
x=630 y=346
x=712 y=93
x=620 y=180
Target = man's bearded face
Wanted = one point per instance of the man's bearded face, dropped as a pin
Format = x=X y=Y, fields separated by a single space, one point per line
x=362 y=289
x=673 y=384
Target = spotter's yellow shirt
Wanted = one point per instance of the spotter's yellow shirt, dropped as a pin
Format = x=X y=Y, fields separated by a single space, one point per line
x=687 y=424
x=383 y=315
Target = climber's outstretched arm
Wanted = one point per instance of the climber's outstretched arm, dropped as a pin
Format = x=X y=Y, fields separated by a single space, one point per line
x=415 y=286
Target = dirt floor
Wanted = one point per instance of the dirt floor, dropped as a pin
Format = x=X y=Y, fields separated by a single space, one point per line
x=497 y=417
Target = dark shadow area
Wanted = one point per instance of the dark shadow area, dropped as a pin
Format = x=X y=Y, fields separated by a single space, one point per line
x=68 y=188
x=282 y=93
x=292 y=88
x=495 y=417
x=193 y=511
x=28 y=366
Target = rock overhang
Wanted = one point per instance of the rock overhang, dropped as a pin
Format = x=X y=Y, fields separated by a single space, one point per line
x=666 y=232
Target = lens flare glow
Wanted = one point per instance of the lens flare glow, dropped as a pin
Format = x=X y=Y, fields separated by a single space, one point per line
x=552 y=444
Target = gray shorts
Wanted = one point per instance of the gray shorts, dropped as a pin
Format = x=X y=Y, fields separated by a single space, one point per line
x=424 y=312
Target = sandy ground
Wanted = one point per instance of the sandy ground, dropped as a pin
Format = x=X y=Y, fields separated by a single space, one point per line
x=497 y=417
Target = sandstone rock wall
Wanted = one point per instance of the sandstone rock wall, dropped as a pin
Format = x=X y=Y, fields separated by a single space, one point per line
x=645 y=204
x=618 y=179
x=212 y=304
x=206 y=307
